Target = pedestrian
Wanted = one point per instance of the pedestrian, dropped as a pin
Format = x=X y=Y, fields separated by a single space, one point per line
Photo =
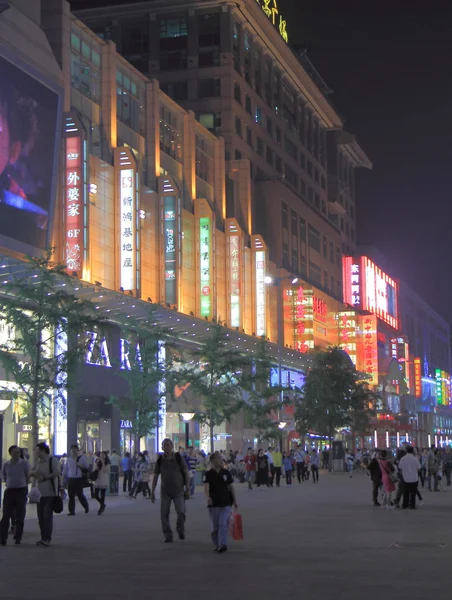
x=300 y=458
x=424 y=466
x=220 y=493
x=409 y=466
x=287 y=465
x=349 y=462
x=269 y=455
x=102 y=481
x=175 y=487
x=127 y=472
x=315 y=464
x=140 y=468
x=15 y=476
x=115 y=461
x=192 y=463
x=46 y=474
x=75 y=474
x=250 y=468
x=448 y=465
x=262 y=469
x=401 y=452
x=277 y=463
x=376 y=478
x=388 y=485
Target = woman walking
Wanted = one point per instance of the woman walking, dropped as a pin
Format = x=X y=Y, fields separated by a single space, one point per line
x=102 y=481
x=387 y=468
x=262 y=469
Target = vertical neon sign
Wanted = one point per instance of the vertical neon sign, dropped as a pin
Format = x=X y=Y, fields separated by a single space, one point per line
x=260 y=266
x=205 y=265
x=170 y=240
x=417 y=378
x=127 y=229
x=439 y=386
x=234 y=276
x=74 y=205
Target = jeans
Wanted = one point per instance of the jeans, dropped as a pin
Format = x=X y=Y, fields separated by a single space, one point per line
x=127 y=481
x=250 y=477
x=315 y=473
x=220 y=517
x=423 y=475
x=278 y=475
x=448 y=471
x=375 y=487
x=433 y=474
x=45 y=516
x=114 y=480
x=400 y=490
x=272 y=475
x=409 y=494
x=193 y=483
x=179 y=505
x=300 y=471
x=289 y=477
x=75 y=488
x=99 y=495
x=14 y=504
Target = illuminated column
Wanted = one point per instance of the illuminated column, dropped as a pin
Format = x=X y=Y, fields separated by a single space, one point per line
x=170 y=235
x=127 y=215
x=235 y=273
x=260 y=270
x=75 y=215
x=205 y=280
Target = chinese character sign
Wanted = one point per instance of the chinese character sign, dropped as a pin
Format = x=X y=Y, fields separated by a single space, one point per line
x=170 y=248
x=347 y=333
x=300 y=319
x=234 y=279
x=261 y=295
x=127 y=226
x=417 y=378
x=271 y=9
x=368 y=349
x=439 y=386
x=205 y=265
x=74 y=206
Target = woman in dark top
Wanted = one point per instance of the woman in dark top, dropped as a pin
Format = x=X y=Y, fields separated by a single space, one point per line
x=262 y=469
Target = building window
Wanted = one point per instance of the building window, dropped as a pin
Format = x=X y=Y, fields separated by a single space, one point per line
x=303 y=188
x=85 y=67
x=310 y=195
x=238 y=155
x=236 y=32
x=249 y=136
x=270 y=156
x=310 y=169
x=295 y=260
x=204 y=154
x=291 y=176
x=302 y=161
x=332 y=253
x=177 y=91
x=211 y=121
x=238 y=126
x=294 y=223
x=209 y=34
x=278 y=134
x=248 y=105
x=314 y=238
x=278 y=164
x=260 y=146
x=323 y=183
x=338 y=257
x=325 y=247
x=129 y=103
x=302 y=223
x=209 y=88
x=332 y=285
x=325 y=280
x=173 y=28
x=316 y=175
x=173 y=43
x=291 y=149
x=284 y=216
x=317 y=201
x=237 y=93
x=270 y=127
x=258 y=115
x=315 y=273
x=171 y=137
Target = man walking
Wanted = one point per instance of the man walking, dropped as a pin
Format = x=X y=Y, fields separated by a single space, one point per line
x=75 y=473
x=315 y=464
x=127 y=472
x=300 y=459
x=401 y=452
x=409 y=466
x=448 y=465
x=174 y=478
x=250 y=468
x=46 y=473
x=15 y=476
x=220 y=493
x=376 y=478
x=192 y=463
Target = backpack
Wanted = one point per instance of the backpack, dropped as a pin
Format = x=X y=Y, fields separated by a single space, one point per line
x=179 y=462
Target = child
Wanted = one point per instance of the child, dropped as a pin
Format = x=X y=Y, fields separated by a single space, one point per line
x=220 y=493
x=287 y=466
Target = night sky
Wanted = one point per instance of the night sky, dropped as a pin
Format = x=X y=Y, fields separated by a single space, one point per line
x=389 y=65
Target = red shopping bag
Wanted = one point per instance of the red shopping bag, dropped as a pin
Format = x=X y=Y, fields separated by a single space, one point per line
x=236 y=527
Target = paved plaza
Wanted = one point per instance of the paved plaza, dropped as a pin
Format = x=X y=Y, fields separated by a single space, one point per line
x=324 y=540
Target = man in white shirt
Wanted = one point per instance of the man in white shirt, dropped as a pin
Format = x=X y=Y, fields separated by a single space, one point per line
x=409 y=466
x=300 y=458
x=75 y=473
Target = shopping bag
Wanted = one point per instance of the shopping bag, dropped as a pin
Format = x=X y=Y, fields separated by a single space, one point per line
x=236 y=527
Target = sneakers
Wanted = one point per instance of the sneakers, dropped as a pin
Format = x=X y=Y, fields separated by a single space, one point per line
x=181 y=535
x=377 y=504
x=17 y=541
x=71 y=514
x=102 y=509
x=44 y=543
x=168 y=541
x=222 y=549
x=86 y=510
x=420 y=503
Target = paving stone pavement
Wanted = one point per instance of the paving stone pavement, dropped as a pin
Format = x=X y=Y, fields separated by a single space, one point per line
x=325 y=541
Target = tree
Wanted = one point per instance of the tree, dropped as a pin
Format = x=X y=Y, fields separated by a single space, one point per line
x=264 y=401
x=147 y=367
x=333 y=395
x=219 y=378
x=45 y=336
x=363 y=402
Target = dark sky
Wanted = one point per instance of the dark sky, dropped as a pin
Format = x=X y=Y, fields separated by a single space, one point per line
x=390 y=66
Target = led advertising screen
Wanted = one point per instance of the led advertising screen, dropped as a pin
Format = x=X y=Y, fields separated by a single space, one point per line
x=28 y=123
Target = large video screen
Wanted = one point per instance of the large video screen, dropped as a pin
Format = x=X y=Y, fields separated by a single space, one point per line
x=28 y=120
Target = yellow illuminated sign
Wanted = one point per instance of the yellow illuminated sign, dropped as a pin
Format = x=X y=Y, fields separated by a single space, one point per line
x=270 y=8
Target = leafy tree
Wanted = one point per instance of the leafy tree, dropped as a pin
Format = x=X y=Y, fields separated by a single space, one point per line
x=45 y=336
x=148 y=368
x=218 y=377
x=264 y=401
x=333 y=396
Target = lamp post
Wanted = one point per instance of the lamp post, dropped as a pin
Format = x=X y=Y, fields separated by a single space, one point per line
x=4 y=404
x=186 y=418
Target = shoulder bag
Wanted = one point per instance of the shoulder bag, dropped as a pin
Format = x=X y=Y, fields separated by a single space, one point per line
x=392 y=474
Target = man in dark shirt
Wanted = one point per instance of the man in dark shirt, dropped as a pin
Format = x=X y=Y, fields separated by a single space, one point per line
x=175 y=487
x=220 y=493
x=375 y=476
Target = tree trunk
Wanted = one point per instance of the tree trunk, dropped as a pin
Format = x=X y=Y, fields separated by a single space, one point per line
x=212 y=441
x=35 y=404
x=330 y=439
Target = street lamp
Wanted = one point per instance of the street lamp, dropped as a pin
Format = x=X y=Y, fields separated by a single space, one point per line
x=186 y=418
x=4 y=404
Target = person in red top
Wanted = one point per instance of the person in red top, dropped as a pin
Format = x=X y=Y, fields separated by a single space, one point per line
x=250 y=468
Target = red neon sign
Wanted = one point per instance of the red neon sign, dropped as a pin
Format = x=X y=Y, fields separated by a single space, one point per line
x=74 y=206
x=417 y=378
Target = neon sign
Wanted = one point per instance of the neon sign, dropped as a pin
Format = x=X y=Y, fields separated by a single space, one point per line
x=97 y=352
x=74 y=205
x=234 y=276
x=320 y=309
x=417 y=378
x=369 y=349
x=439 y=386
x=270 y=8
x=170 y=239
x=300 y=315
x=127 y=229
x=260 y=265
x=205 y=245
